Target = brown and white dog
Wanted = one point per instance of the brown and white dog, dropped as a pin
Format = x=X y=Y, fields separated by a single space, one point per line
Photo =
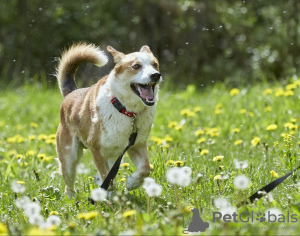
x=88 y=119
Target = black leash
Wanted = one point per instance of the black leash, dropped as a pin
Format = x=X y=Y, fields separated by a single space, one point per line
x=114 y=170
x=269 y=187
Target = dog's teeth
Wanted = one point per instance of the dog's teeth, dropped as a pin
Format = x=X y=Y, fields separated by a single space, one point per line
x=139 y=89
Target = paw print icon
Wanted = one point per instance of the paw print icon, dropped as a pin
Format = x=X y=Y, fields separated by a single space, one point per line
x=260 y=217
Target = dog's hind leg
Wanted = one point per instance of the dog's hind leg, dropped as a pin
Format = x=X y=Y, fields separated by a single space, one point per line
x=139 y=156
x=69 y=152
x=103 y=169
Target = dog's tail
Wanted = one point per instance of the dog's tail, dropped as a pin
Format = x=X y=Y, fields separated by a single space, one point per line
x=71 y=59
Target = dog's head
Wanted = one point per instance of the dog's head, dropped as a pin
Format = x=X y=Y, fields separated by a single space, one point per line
x=136 y=77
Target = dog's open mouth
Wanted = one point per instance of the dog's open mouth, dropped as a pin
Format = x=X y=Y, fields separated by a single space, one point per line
x=145 y=92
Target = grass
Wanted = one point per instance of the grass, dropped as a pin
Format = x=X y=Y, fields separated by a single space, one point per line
x=190 y=129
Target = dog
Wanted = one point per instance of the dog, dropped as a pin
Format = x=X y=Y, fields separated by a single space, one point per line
x=90 y=119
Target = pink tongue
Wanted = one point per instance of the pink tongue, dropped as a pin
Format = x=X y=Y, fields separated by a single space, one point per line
x=147 y=92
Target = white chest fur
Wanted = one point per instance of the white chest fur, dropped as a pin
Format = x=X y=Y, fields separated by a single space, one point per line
x=118 y=127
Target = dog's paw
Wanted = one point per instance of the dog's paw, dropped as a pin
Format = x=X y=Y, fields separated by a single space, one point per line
x=70 y=194
x=133 y=183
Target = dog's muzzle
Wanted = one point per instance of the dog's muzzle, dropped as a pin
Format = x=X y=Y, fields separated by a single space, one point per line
x=146 y=91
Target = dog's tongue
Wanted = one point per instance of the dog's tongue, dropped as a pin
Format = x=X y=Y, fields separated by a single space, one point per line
x=147 y=92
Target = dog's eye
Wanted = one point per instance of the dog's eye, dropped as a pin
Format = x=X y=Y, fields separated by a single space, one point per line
x=155 y=65
x=136 y=66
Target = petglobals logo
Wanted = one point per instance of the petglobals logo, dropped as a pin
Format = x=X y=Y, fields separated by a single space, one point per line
x=195 y=223
x=270 y=216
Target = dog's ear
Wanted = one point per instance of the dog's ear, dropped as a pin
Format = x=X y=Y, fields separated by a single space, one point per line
x=118 y=56
x=145 y=48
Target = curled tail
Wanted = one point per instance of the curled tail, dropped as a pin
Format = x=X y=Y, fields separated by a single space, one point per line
x=71 y=59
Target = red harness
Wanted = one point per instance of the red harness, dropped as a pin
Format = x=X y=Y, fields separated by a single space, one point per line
x=119 y=106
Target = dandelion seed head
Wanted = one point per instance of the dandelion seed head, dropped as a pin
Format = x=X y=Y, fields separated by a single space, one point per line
x=274 y=213
x=36 y=219
x=240 y=164
x=154 y=190
x=22 y=202
x=98 y=194
x=32 y=209
x=221 y=202
x=53 y=220
x=241 y=182
x=17 y=187
x=148 y=181
x=187 y=170
x=81 y=169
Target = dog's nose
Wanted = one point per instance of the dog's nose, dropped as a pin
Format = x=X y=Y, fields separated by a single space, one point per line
x=155 y=76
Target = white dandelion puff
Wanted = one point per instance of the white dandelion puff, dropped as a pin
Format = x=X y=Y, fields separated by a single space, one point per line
x=154 y=190
x=81 y=169
x=53 y=220
x=98 y=194
x=148 y=181
x=32 y=209
x=36 y=219
x=22 y=202
x=221 y=202
x=17 y=187
x=241 y=182
x=187 y=170
x=179 y=176
x=272 y=214
x=240 y=164
x=228 y=210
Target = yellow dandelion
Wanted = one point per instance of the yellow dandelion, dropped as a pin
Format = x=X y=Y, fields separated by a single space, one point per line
x=293 y=120
x=290 y=126
x=172 y=124
x=52 y=136
x=72 y=225
x=221 y=167
x=218 y=111
x=255 y=141
x=290 y=86
x=275 y=143
x=298 y=144
x=128 y=213
x=20 y=182
x=123 y=179
x=235 y=130
x=178 y=163
x=213 y=132
x=2 y=123
x=204 y=152
x=199 y=132
x=151 y=166
x=157 y=140
x=218 y=158
x=24 y=163
x=267 y=109
x=197 y=109
x=243 y=111
x=37 y=231
x=251 y=114
x=87 y=215
x=268 y=91
x=289 y=93
x=279 y=92
x=188 y=208
x=218 y=106
x=19 y=127
x=30 y=153
x=185 y=111
x=50 y=141
x=297 y=82
x=178 y=127
x=170 y=162
x=168 y=138
x=53 y=213
x=201 y=140
x=31 y=137
x=41 y=156
x=271 y=127
x=274 y=174
x=12 y=152
x=217 y=177
x=3 y=229
x=125 y=165
x=42 y=137
x=238 y=142
x=34 y=125
x=234 y=92
x=47 y=158
x=19 y=156
x=91 y=178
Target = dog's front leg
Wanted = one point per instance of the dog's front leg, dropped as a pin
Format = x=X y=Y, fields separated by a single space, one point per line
x=103 y=169
x=139 y=156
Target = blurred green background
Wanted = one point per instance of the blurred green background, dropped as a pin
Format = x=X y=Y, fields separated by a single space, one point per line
x=197 y=42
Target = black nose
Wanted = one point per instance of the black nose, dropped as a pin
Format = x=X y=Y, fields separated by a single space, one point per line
x=155 y=77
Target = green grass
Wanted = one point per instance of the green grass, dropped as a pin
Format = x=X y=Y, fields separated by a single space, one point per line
x=29 y=112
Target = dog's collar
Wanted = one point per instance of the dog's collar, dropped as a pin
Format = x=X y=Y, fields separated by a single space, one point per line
x=120 y=107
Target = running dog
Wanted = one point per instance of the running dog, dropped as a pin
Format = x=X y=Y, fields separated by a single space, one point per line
x=100 y=117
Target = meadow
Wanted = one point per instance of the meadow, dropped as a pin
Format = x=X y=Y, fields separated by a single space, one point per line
x=232 y=141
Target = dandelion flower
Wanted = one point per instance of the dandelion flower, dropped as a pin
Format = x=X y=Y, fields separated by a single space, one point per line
x=30 y=153
x=172 y=124
x=178 y=163
x=274 y=174
x=128 y=213
x=87 y=215
x=271 y=127
x=255 y=141
x=238 y=142
x=42 y=137
x=22 y=202
x=151 y=166
x=197 y=109
x=34 y=125
x=204 y=152
x=53 y=213
x=158 y=141
x=178 y=127
x=3 y=229
x=41 y=156
x=243 y=111
x=154 y=190
x=170 y=162
x=221 y=202
x=234 y=92
x=32 y=209
x=240 y=164
x=187 y=170
x=268 y=91
x=218 y=158
x=217 y=177
x=201 y=140
x=31 y=137
x=53 y=220
x=98 y=194
x=178 y=176
x=125 y=165
x=235 y=130
x=36 y=219
x=279 y=92
x=199 y=132
x=241 y=182
x=267 y=109
x=168 y=138
x=148 y=181
x=289 y=93
x=12 y=152
x=17 y=187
